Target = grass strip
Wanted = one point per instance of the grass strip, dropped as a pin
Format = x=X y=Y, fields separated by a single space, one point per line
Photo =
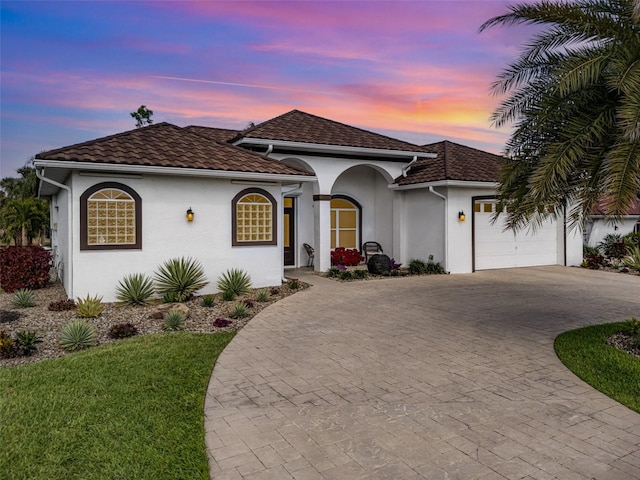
x=131 y=409
x=613 y=372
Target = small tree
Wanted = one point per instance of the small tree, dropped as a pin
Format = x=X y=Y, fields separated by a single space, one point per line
x=142 y=116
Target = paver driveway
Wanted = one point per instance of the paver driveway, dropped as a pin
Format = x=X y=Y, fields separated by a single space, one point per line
x=437 y=377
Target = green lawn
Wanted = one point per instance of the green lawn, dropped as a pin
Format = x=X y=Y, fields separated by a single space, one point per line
x=605 y=368
x=131 y=409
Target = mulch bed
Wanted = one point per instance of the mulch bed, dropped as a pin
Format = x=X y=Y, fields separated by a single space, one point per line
x=48 y=324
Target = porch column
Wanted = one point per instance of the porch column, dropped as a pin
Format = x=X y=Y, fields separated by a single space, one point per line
x=399 y=227
x=322 y=232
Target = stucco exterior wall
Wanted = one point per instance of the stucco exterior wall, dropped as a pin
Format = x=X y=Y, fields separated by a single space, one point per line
x=166 y=234
x=601 y=228
x=423 y=233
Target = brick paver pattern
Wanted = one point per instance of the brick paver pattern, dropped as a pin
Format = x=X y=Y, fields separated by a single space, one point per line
x=433 y=377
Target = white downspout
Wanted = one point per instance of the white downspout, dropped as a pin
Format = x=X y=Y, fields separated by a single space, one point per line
x=269 y=150
x=446 y=226
x=69 y=224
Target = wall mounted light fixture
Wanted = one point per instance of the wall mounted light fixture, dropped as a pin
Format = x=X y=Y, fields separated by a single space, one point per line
x=189 y=215
x=461 y=216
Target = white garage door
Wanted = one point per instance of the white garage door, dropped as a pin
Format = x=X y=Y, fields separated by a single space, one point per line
x=496 y=248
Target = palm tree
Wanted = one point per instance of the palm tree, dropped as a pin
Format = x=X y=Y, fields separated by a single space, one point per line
x=573 y=97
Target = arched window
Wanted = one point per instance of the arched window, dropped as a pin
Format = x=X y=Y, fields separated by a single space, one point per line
x=345 y=222
x=110 y=218
x=253 y=213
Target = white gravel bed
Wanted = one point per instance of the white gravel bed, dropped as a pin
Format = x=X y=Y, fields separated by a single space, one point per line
x=48 y=324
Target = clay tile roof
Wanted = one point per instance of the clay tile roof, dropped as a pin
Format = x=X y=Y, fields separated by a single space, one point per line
x=454 y=162
x=634 y=208
x=222 y=135
x=166 y=145
x=297 y=126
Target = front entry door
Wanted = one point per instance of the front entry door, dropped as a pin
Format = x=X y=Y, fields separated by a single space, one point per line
x=289 y=232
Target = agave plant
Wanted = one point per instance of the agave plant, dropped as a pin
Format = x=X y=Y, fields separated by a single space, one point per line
x=633 y=259
x=180 y=278
x=90 y=307
x=173 y=321
x=208 y=301
x=238 y=310
x=263 y=296
x=235 y=280
x=27 y=342
x=135 y=289
x=24 y=298
x=77 y=335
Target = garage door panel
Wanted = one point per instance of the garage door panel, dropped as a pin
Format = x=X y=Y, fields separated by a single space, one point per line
x=496 y=247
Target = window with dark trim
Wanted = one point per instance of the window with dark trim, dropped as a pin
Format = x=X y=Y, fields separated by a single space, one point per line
x=253 y=218
x=110 y=217
x=346 y=222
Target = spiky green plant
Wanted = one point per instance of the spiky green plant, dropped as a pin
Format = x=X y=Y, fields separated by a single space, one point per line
x=173 y=321
x=239 y=310
x=181 y=277
x=208 y=301
x=24 y=298
x=89 y=307
x=263 y=296
x=417 y=267
x=135 y=289
x=228 y=295
x=77 y=335
x=235 y=280
x=27 y=342
x=633 y=259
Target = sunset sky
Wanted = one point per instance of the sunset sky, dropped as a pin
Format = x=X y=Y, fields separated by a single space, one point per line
x=419 y=71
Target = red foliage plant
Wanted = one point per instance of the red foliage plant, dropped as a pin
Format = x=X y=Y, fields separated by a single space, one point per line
x=345 y=256
x=24 y=267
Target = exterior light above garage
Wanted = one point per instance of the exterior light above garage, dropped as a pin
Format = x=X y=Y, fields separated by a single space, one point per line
x=461 y=216
x=189 y=215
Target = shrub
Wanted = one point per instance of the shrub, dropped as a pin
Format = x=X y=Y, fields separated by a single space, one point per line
x=228 y=295
x=632 y=326
x=24 y=298
x=90 y=307
x=587 y=250
x=417 y=267
x=345 y=275
x=613 y=246
x=27 y=342
x=633 y=259
x=135 y=289
x=262 y=296
x=236 y=281
x=123 y=330
x=7 y=345
x=24 y=267
x=360 y=274
x=77 y=335
x=434 y=268
x=62 y=305
x=173 y=321
x=171 y=298
x=632 y=239
x=180 y=277
x=248 y=302
x=294 y=284
x=333 y=272
x=593 y=261
x=239 y=310
x=222 y=322
x=208 y=301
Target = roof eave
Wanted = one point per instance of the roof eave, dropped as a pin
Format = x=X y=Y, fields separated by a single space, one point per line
x=180 y=171
x=326 y=148
x=445 y=183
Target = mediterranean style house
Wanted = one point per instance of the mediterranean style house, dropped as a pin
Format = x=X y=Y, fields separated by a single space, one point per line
x=251 y=199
